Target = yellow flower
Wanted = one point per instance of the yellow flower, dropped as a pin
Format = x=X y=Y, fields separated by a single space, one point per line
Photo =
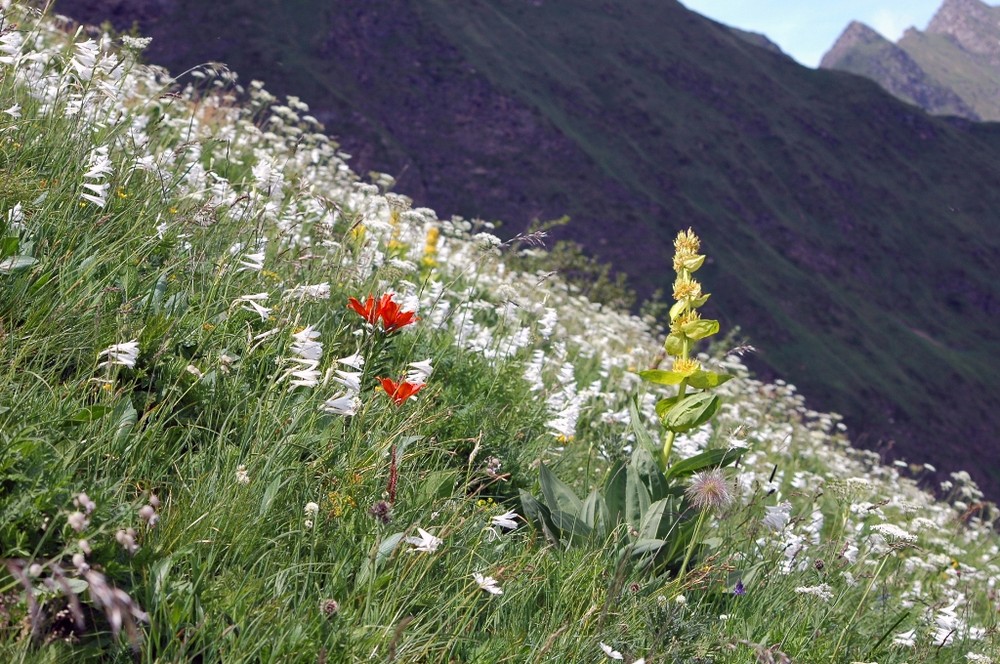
x=687 y=289
x=687 y=243
x=686 y=366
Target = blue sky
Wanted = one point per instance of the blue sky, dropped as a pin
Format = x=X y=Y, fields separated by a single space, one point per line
x=805 y=29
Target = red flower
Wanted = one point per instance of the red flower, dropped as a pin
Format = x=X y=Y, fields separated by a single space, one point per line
x=401 y=391
x=368 y=310
x=384 y=309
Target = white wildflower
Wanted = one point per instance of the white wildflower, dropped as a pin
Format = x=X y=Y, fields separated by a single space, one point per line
x=777 y=516
x=506 y=520
x=426 y=543
x=14 y=111
x=125 y=354
x=420 y=371
x=823 y=591
x=487 y=583
x=242 y=476
x=610 y=652
x=342 y=404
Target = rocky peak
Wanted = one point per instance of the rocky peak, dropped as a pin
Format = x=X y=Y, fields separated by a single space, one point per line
x=972 y=23
x=855 y=35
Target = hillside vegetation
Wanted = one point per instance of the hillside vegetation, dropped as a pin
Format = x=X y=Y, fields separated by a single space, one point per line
x=851 y=231
x=258 y=409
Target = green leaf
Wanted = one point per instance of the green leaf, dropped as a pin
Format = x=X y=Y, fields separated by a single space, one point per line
x=636 y=497
x=691 y=412
x=126 y=419
x=660 y=519
x=8 y=246
x=594 y=513
x=704 y=380
x=614 y=493
x=571 y=527
x=642 y=434
x=700 y=301
x=692 y=264
x=558 y=495
x=701 y=328
x=269 y=494
x=386 y=547
x=650 y=474
x=676 y=310
x=539 y=514
x=90 y=414
x=438 y=485
x=710 y=459
x=12 y=263
x=674 y=345
x=663 y=405
x=661 y=377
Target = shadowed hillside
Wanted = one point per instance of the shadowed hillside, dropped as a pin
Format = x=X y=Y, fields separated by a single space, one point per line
x=855 y=236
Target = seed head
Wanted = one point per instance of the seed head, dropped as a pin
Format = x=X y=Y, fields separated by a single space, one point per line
x=710 y=491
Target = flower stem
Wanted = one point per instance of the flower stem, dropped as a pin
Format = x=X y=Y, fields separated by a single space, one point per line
x=693 y=543
x=861 y=603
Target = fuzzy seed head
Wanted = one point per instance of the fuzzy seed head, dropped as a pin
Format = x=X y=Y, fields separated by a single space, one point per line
x=709 y=490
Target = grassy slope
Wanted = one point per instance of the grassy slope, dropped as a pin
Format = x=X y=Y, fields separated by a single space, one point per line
x=239 y=568
x=847 y=226
x=975 y=80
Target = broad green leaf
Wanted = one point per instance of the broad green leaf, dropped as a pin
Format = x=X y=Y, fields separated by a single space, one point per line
x=269 y=494
x=650 y=473
x=644 y=547
x=558 y=495
x=8 y=265
x=642 y=434
x=691 y=412
x=595 y=513
x=674 y=345
x=701 y=328
x=386 y=547
x=126 y=419
x=636 y=497
x=704 y=380
x=710 y=459
x=438 y=485
x=661 y=377
x=89 y=414
x=570 y=525
x=660 y=519
x=663 y=405
x=537 y=513
x=614 y=493
x=9 y=245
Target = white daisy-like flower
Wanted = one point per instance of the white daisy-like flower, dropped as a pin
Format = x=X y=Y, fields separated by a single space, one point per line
x=426 y=543
x=487 y=583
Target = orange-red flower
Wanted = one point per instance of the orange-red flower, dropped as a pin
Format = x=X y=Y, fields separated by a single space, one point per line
x=401 y=391
x=384 y=309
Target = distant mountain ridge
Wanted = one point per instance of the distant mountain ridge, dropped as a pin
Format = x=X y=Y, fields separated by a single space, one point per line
x=952 y=68
x=848 y=240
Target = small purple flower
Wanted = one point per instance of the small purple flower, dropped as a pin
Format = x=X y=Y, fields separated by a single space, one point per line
x=739 y=589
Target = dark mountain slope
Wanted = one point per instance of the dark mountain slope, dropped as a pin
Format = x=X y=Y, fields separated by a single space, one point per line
x=854 y=237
